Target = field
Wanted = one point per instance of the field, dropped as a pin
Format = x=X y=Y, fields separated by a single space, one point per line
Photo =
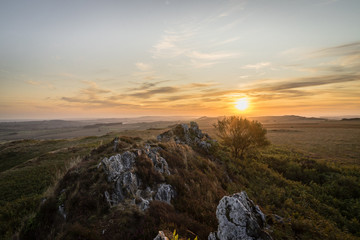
x=331 y=140
x=29 y=168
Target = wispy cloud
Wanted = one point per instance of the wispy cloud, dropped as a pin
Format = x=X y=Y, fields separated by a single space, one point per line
x=143 y=66
x=305 y=82
x=168 y=46
x=93 y=89
x=211 y=56
x=41 y=84
x=155 y=91
x=257 y=65
x=90 y=95
x=187 y=41
x=35 y=83
x=341 y=50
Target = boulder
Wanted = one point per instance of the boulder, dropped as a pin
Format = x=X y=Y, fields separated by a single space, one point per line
x=161 y=236
x=165 y=193
x=118 y=164
x=192 y=136
x=239 y=218
x=120 y=170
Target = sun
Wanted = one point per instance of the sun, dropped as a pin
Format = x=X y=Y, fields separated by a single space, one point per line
x=242 y=104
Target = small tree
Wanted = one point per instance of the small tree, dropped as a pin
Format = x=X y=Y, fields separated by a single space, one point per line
x=240 y=134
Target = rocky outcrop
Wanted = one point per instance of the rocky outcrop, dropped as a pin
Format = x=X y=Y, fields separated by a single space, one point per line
x=120 y=170
x=190 y=135
x=239 y=218
x=118 y=164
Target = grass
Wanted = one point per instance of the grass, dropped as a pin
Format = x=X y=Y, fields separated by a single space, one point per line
x=316 y=195
x=29 y=169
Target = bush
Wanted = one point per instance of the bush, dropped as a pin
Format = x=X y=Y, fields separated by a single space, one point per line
x=241 y=134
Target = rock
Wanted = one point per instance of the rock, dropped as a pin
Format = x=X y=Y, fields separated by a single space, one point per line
x=192 y=136
x=165 y=193
x=143 y=204
x=160 y=163
x=161 y=236
x=239 y=218
x=62 y=210
x=118 y=164
x=116 y=142
x=120 y=170
x=126 y=185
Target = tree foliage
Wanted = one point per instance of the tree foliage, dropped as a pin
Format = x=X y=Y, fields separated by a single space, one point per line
x=241 y=134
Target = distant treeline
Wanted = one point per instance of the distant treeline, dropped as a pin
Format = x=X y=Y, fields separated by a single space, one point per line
x=350 y=119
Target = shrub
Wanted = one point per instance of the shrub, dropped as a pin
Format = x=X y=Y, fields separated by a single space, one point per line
x=241 y=134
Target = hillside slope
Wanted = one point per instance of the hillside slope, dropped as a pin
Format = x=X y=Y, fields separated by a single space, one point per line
x=130 y=188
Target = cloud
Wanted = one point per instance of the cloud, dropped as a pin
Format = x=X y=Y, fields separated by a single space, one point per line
x=35 y=83
x=146 y=85
x=200 y=85
x=93 y=90
x=305 y=82
x=230 y=40
x=44 y=85
x=186 y=41
x=152 y=92
x=340 y=50
x=257 y=65
x=201 y=64
x=168 y=46
x=211 y=56
x=143 y=66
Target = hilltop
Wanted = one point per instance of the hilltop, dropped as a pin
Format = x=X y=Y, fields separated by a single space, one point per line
x=131 y=187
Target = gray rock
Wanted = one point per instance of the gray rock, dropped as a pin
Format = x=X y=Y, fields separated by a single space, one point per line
x=118 y=164
x=212 y=236
x=62 y=211
x=239 y=218
x=144 y=204
x=160 y=164
x=192 y=136
x=161 y=236
x=116 y=142
x=165 y=193
x=120 y=171
x=126 y=185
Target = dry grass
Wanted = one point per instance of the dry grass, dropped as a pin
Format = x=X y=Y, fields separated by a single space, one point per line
x=59 y=174
x=333 y=141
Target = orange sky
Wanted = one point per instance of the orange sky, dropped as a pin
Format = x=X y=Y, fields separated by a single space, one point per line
x=120 y=59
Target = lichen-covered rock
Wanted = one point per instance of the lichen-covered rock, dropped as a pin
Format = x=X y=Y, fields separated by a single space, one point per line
x=161 y=236
x=192 y=136
x=120 y=170
x=118 y=164
x=165 y=193
x=239 y=218
x=160 y=164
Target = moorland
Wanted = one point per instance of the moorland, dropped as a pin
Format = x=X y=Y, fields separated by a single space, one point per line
x=309 y=175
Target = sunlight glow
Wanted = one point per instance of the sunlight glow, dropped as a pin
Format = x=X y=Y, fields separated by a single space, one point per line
x=242 y=104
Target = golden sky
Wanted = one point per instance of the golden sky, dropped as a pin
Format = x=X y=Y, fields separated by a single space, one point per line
x=87 y=59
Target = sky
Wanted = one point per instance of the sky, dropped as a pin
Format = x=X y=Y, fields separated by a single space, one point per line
x=85 y=59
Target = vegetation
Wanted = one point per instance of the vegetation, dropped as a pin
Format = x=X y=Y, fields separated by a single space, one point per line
x=303 y=197
x=29 y=171
x=240 y=134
